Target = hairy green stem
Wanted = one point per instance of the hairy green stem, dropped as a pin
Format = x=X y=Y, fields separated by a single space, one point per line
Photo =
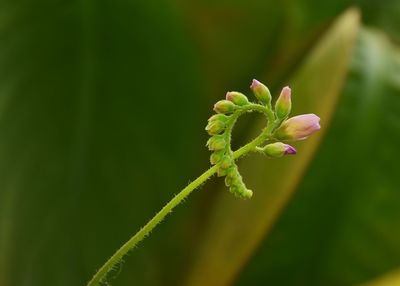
x=145 y=231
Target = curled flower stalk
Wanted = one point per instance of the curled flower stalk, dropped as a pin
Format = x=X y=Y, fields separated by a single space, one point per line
x=270 y=142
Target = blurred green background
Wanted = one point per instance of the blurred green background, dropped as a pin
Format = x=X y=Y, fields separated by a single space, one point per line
x=103 y=106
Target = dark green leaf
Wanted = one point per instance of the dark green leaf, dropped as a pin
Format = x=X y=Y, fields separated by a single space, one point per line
x=97 y=131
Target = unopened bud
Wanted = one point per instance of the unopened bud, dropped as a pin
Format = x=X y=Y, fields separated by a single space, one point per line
x=237 y=98
x=283 y=104
x=216 y=143
x=234 y=181
x=278 y=149
x=221 y=172
x=219 y=117
x=261 y=92
x=226 y=162
x=216 y=157
x=241 y=191
x=215 y=127
x=230 y=176
x=224 y=106
x=246 y=193
x=298 y=127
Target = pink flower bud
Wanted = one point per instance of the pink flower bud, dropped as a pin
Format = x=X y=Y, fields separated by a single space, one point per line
x=224 y=106
x=290 y=150
x=278 y=149
x=261 y=92
x=298 y=127
x=284 y=104
x=237 y=98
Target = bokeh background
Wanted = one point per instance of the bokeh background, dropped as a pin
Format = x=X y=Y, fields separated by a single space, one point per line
x=103 y=106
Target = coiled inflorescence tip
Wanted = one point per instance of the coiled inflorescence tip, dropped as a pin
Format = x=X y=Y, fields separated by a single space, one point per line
x=219 y=127
x=279 y=128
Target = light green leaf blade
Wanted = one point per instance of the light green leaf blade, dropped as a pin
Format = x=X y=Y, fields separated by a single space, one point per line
x=342 y=228
x=389 y=279
x=237 y=227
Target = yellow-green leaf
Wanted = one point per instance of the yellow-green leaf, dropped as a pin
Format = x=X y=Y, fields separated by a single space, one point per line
x=390 y=279
x=236 y=227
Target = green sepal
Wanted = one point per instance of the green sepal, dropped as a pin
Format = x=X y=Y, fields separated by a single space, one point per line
x=216 y=157
x=219 y=117
x=237 y=98
x=226 y=162
x=221 y=172
x=215 y=127
x=224 y=106
x=216 y=143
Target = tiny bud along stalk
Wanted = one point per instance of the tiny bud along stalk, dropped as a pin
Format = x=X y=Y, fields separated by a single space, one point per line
x=237 y=98
x=224 y=106
x=223 y=158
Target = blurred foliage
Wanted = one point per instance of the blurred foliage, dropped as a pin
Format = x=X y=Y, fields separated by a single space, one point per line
x=92 y=140
x=102 y=107
x=389 y=279
x=345 y=214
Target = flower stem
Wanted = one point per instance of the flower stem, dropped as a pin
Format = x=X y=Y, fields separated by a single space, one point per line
x=145 y=231
x=176 y=200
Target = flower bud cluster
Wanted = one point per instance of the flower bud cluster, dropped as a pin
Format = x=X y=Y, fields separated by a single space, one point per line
x=219 y=142
x=234 y=181
x=293 y=129
x=297 y=127
x=283 y=128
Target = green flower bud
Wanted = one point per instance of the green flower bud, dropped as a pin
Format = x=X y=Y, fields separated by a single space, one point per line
x=224 y=106
x=219 y=117
x=215 y=127
x=237 y=98
x=216 y=157
x=216 y=143
x=283 y=104
x=278 y=149
x=233 y=189
x=226 y=162
x=230 y=176
x=245 y=193
x=261 y=92
x=234 y=181
x=241 y=191
x=221 y=172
